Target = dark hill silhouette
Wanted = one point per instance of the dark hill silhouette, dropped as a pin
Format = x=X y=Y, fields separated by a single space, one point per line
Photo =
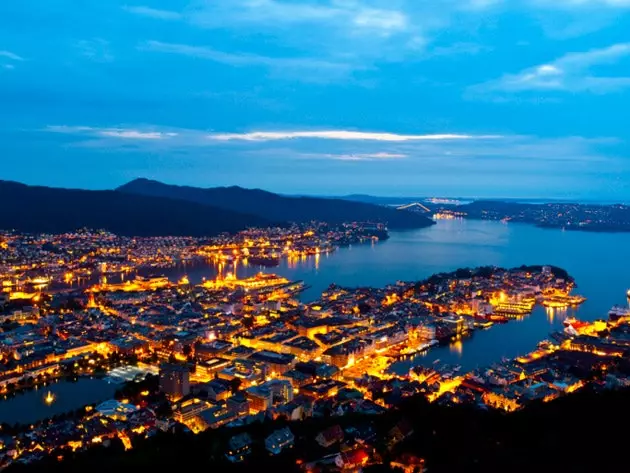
x=276 y=207
x=542 y=438
x=45 y=209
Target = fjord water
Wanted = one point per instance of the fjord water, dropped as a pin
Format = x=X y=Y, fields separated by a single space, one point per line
x=598 y=261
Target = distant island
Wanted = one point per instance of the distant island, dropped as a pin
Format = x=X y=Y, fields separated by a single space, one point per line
x=150 y=208
x=565 y=215
x=584 y=217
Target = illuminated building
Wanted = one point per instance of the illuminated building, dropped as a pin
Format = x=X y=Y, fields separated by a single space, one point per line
x=216 y=416
x=247 y=371
x=207 y=369
x=115 y=410
x=277 y=362
x=238 y=404
x=218 y=389
x=596 y=346
x=212 y=349
x=347 y=353
x=174 y=381
x=499 y=401
x=260 y=398
x=185 y=411
x=281 y=390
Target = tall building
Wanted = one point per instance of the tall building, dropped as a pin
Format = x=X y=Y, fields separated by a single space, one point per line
x=174 y=381
x=280 y=389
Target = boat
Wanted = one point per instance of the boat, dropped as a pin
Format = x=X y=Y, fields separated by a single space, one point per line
x=571 y=324
x=569 y=321
x=498 y=318
x=39 y=281
x=616 y=312
x=513 y=309
x=483 y=323
x=563 y=301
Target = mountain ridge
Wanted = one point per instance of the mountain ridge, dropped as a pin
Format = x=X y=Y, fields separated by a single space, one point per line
x=41 y=209
x=276 y=207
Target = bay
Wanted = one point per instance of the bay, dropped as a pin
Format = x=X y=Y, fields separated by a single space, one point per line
x=598 y=261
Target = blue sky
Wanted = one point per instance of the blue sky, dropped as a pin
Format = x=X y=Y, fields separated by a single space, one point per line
x=519 y=98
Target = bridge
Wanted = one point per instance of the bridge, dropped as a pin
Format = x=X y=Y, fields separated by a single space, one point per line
x=417 y=206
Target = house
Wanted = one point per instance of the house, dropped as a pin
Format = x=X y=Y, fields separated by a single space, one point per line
x=239 y=447
x=218 y=390
x=115 y=410
x=353 y=459
x=399 y=432
x=238 y=403
x=282 y=438
x=217 y=416
x=298 y=409
x=409 y=463
x=330 y=436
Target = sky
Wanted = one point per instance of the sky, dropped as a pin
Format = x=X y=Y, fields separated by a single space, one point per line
x=469 y=98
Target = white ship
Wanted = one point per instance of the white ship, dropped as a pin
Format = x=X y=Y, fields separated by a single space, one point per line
x=618 y=311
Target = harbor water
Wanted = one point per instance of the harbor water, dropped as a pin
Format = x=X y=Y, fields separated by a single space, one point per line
x=598 y=261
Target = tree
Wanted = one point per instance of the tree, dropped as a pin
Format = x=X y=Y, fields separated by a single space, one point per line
x=235 y=384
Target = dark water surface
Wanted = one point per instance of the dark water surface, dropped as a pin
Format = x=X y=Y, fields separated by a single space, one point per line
x=29 y=406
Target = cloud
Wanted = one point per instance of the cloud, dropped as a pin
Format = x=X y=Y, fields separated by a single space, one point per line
x=10 y=55
x=403 y=155
x=570 y=73
x=153 y=12
x=575 y=4
x=136 y=135
x=339 y=135
x=202 y=138
x=342 y=36
x=360 y=31
x=121 y=133
x=275 y=13
x=358 y=156
x=382 y=21
x=288 y=66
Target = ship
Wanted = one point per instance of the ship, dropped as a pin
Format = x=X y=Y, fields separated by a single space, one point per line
x=39 y=280
x=513 y=309
x=574 y=323
x=498 y=318
x=483 y=324
x=616 y=312
x=563 y=301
